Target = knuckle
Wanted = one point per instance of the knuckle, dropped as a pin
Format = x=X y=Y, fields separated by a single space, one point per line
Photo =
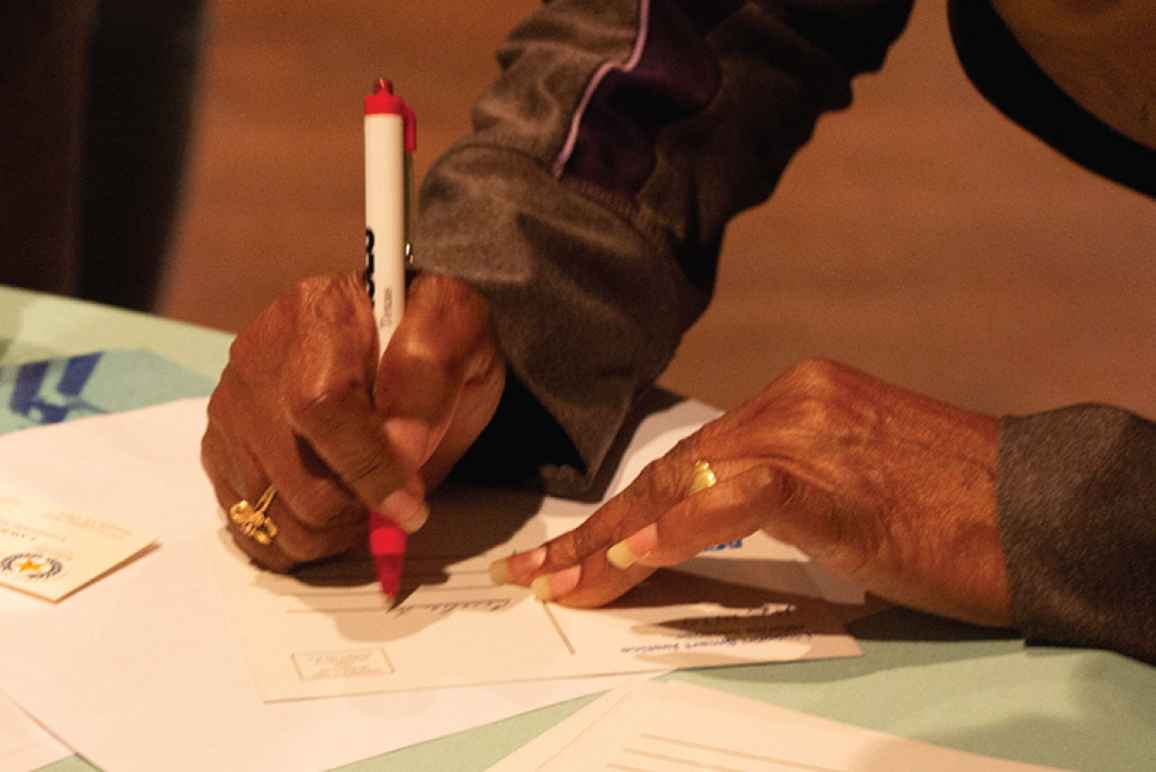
x=818 y=388
x=661 y=480
x=428 y=357
x=586 y=542
x=334 y=301
x=570 y=549
x=319 y=503
x=320 y=404
x=814 y=413
x=452 y=312
x=708 y=434
x=304 y=292
x=816 y=375
x=211 y=452
x=247 y=344
x=687 y=450
x=239 y=348
x=215 y=411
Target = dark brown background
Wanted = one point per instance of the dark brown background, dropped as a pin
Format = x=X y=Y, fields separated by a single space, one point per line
x=920 y=236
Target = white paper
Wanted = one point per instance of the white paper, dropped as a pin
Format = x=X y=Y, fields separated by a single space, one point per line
x=661 y=726
x=329 y=631
x=24 y=744
x=133 y=667
x=51 y=551
x=142 y=670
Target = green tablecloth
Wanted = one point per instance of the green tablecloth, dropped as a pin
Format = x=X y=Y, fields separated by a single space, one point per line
x=920 y=677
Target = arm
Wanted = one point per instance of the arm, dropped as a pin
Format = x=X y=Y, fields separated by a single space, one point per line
x=587 y=210
x=900 y=493
x=589 y=205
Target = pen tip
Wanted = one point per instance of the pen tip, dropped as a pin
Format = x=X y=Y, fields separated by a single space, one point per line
x=381 y=84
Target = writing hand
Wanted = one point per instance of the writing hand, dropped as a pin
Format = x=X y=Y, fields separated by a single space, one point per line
x=305 y=406
x=874 y=482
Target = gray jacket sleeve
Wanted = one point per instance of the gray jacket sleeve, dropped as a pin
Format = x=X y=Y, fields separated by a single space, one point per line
x=590 y=201
x=1077 y=508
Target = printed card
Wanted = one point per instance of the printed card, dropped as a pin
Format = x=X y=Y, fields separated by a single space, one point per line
x=51 y=552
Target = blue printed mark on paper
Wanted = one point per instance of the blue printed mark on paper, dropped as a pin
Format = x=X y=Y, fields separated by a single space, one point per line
x=730 y=545
x=34 y=398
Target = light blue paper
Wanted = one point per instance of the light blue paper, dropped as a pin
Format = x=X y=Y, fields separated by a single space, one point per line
x=56 y=390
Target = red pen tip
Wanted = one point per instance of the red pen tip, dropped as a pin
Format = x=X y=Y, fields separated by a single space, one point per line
x=387 y=545
x=383 y=85
x=388 y=573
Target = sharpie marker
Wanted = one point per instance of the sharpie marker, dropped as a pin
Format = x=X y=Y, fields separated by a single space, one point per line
x=390 y=140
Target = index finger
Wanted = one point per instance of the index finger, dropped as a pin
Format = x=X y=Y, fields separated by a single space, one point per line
x=658 y=487
x=719 y=513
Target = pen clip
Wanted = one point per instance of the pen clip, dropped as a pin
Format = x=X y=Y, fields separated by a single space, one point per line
x=407 y=226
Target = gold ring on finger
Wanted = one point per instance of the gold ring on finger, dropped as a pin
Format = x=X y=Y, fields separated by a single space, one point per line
x=253 y=521
x=704 y=477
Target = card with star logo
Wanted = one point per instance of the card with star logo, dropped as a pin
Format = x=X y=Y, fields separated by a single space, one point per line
x=52 y=552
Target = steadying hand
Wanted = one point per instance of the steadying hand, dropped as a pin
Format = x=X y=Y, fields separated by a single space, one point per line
x=887 y=487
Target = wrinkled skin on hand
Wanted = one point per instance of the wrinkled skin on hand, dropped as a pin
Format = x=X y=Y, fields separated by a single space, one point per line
x=305 y=405
x=884 y=486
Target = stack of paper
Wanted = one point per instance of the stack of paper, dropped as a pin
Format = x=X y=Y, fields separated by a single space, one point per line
x=154 y=666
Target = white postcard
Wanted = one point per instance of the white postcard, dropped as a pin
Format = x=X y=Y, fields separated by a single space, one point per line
x=327 y=630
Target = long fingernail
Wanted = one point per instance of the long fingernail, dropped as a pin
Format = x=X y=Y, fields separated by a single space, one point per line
x=517 y=566
x=557 y=584
x=633 y=548
x=405 y=509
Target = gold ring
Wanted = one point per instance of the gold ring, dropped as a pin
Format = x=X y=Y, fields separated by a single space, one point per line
x=252 y=520
x=704 y=478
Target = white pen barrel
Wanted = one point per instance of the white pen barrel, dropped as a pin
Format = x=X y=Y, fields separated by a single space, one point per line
x=385 y=215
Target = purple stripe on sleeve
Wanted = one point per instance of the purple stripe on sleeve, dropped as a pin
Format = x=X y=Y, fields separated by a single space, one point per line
x=670 y=74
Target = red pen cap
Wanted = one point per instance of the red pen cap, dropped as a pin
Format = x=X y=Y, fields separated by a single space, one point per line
x=384 y=102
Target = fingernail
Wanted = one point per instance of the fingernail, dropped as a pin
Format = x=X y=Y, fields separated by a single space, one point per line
x=516 y=566
x=557 y=584
x=633 y=548
x=500 y=572
x=405 y=509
